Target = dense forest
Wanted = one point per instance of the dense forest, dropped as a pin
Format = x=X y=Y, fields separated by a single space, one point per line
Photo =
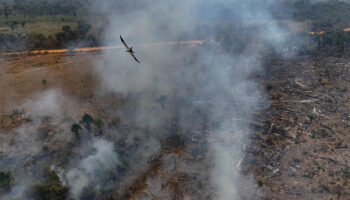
x=64 y=23
x=332 y=11
x=49 y=24
x=37 y=8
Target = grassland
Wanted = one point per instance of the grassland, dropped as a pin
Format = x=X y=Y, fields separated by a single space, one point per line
x=47 y=25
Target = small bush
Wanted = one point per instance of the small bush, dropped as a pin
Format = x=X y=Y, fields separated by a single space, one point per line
x=51 y=188
x=6 y=181
x=87 y=120
x=75 y=128
x=346 y=174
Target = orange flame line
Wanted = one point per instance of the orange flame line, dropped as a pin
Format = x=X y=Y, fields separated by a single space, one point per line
x=86 y=49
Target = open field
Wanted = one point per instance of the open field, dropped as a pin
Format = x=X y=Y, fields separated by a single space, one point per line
x=50 y=28
x=24 y=75
x=47 y=25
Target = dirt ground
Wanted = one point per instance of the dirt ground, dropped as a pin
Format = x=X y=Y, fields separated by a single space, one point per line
x=300 y=148
x=22 y=77
x=302 y=151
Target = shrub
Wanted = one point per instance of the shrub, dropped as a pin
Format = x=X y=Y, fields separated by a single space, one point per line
x=75 y=128
x=87 y=120
x=83 y=29
x=6 y=181
x=51 y=188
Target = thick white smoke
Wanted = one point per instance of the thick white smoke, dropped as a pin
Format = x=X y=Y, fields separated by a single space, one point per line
x=220 y=79
x=166 y=88
x=28 y=148
x=23 y=146
x=92 y=170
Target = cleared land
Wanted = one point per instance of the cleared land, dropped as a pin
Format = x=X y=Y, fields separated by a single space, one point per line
x=302 y=151
x=299 y=150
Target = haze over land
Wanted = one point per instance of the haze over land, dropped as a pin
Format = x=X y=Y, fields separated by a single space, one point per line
x=251 y=107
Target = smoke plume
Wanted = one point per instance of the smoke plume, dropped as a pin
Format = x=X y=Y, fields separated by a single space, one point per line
x=216 y=81
x=179 y=94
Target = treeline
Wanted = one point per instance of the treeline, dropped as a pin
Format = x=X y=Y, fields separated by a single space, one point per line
x=39 y=7
x=336 y=11
x=330 y=43
x=237 y=39
x=323 y=14
x=67 y=37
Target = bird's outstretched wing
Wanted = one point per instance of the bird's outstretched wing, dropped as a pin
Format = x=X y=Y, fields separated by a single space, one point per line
x=124 y=42
x=133 y=55
x=129 y=50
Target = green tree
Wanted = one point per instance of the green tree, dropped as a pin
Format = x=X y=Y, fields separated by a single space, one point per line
x=83 y=29
x=51 y=188
x=6 y=181
x=99 y=125
x=75 y=128
x=87 y=120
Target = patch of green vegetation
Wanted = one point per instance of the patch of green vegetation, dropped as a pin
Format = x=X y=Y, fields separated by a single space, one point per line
x=87 y=120
x=332 y=42
x=269 y=87
x=38 y=8
x=75 y=128
x=327 y=11
x=31 y=15
x=13 y=42
x=346 y=174
x=313 y=136
x=339 y=144
x=51 y=188
x=32 y=24
x=98 y=123
x=60 y=39
x=6 y=181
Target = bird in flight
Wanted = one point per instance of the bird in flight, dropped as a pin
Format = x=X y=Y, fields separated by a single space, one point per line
x=129 y=49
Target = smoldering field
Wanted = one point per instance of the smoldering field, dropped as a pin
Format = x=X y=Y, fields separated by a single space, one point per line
x=172 y=127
